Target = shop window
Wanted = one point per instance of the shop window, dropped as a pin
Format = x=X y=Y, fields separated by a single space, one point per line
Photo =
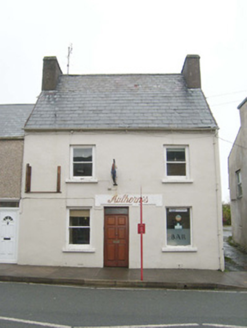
x=82 y=162
x=239 y=184
x=178 y=225
x=79 y=227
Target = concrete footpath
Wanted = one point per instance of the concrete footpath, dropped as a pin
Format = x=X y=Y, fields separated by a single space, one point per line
x=234 y=277
x=122 y=277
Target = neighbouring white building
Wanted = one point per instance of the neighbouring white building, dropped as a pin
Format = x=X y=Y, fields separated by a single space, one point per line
x=12 y=120
x=159 y=132
x=238 y=180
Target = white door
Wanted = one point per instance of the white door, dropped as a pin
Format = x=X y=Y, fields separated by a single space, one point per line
x=8 y=235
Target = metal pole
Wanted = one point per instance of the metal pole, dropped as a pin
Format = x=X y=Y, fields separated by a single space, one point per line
x=141 y=237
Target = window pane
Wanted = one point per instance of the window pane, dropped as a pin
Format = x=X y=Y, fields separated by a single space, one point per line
x=9 y=204
x=116 y=210
x=239 y=184
x=79 y=213
x=83 y=155
x=175 y=154
x=240 y=192
x=176 y=169
x=83 y=170
x=79 y=236
x=238 y=176
x=178 y=226
x=79 y=221
x=79 y=227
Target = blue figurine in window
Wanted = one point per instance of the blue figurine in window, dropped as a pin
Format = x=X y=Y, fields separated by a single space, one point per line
x=114 y=172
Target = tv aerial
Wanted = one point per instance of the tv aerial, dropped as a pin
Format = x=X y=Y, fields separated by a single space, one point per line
x=70 y=48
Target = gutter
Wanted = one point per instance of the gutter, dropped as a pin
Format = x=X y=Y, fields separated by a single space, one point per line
x=126 y=129
x=12 y=138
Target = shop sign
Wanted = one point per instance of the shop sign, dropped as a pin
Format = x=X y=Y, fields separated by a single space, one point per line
x=126 y=199
x=178 y=237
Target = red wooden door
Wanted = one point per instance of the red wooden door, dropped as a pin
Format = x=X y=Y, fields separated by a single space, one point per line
x=116 y=242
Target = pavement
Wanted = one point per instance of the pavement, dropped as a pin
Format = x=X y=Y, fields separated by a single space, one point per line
x=233 y=278
x=235 y=260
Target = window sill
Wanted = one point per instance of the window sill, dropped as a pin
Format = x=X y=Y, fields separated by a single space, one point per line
x=179 y=249
x=177 y=181
x=79 y=250
x=82 y=180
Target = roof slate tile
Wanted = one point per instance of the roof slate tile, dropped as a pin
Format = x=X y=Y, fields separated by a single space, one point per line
x=121 y=101
x=13 y=118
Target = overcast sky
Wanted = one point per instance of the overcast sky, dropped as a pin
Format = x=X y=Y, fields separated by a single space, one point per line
x=130 y=36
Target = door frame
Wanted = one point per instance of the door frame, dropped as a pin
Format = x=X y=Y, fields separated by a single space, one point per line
x=116 y=211
x=16 y=229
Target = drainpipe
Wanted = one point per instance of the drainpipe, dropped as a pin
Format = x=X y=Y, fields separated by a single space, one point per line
x=218 y=202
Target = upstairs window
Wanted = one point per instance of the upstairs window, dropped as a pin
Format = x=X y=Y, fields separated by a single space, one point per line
x=82 y=165
x=239 y=184
x=176 y=162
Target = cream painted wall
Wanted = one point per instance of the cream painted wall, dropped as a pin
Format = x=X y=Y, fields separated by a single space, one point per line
x=140 y=162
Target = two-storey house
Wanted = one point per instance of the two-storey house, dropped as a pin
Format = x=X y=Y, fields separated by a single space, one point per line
x=92 y=143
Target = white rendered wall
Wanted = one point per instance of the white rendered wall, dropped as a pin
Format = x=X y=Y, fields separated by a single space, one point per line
x=140 y=162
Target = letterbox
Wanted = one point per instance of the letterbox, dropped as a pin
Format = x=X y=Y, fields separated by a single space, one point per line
x=141 y=228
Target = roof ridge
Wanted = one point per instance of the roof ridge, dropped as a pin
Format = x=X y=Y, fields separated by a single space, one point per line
x=120 y=74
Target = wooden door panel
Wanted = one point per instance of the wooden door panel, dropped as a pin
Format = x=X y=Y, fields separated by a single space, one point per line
x=121 y=221
x=122 y=233
x=116 y=242
x=111 y=220
x=111 y=232
x=111 y=252
x=122 y=252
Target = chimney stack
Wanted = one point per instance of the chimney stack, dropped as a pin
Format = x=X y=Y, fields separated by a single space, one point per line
x=51 y=73
x=191 y=71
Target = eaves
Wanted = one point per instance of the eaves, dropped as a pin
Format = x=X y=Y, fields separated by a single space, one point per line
x=12 y=138
x=127 y=129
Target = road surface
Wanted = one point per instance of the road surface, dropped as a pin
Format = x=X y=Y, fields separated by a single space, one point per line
x=32 y=306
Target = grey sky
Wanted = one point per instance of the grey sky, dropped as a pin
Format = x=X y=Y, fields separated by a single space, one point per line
x=130 y=36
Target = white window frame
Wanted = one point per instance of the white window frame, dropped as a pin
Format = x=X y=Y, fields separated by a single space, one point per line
x=179 y=248
x=239 y=184
x=84 y=248
x=177 y=178
x=82 y=178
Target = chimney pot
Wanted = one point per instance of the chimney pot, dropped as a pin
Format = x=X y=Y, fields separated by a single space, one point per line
x=191 y=71
x=51 y=73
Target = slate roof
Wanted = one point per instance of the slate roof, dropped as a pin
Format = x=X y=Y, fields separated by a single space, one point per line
x=13 y=118
x=242 y=103
x=131 y=101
